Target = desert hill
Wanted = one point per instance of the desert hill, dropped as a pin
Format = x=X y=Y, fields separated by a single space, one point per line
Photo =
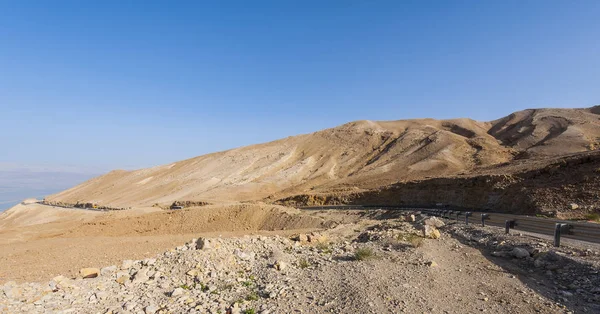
x=358 y=156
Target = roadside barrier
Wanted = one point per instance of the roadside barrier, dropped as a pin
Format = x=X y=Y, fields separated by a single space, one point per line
x=577 y=230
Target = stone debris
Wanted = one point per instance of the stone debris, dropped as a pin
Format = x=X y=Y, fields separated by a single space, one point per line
x=520 y=252
x=108 y=270
x=89 y=272
x=431 y=232
x=434 y=222
x=259 y=274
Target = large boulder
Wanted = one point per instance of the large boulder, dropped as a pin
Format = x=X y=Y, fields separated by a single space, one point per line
x=520 y=252
x=434 y=222
x=431 y=232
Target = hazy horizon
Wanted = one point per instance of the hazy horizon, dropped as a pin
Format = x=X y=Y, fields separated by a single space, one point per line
x=21 y=183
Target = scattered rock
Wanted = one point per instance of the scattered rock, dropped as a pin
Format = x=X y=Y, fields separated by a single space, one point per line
x=500 y=254
x=202 y=244
x=89 y=273
x=300 y=238
x=122 y=277
x=431 y=232
x=106 y=271
x=519 y=252
x=573 y=206
x=431 y=264
x=177 y=292
x=149 y=262
x=127 y=264
x=141 y=276
x=151 y=309
x=280 y=265
x=316 y=238
x=434 y=222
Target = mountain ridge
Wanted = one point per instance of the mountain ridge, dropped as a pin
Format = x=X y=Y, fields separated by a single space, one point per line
x=357 y=155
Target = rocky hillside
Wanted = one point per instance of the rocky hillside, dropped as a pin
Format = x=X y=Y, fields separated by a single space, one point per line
x=355 y=156
x=564 y=187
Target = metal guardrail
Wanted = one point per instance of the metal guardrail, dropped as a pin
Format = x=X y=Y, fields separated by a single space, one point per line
x=582 y=231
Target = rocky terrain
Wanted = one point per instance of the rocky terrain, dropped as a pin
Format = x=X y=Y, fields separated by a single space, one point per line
x=236 y=244
x=369 y=262
x=563 y=187
x=365 y=157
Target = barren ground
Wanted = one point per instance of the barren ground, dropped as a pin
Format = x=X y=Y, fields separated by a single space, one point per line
x=468 y=276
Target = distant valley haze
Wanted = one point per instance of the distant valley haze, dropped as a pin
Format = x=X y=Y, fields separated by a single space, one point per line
x=19 y=182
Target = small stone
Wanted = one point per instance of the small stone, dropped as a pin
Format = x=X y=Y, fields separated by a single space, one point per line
x=149 y=262
x=151 y=309
x=499 y=254
x=13 y=292
x=566 y=293
x=243 y=255
x=127 y=264
x=101 y=295
x=431 y=264
x=300 y=238
x=410 y=218
x=177 y=292
x=108 y=270
x=573 y=206
x=130 y=305
x=520 y=252
x=316 y=238
x=193 y=272
x=89 y=273
x=280 y=265
x=538 y=263
x=202 y=244
x=122 y=277
x=141 y=276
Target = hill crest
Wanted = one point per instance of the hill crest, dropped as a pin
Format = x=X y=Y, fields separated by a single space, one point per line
x=357 y=155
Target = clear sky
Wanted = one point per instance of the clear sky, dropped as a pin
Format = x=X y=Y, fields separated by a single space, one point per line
x=127 y=84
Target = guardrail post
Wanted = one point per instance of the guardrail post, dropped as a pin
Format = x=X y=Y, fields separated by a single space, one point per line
x=467 y=214
x=483 y=218
x=558 y=230
x=509 y=224
x=457 y=214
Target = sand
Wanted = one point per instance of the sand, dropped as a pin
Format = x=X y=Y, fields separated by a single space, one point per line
x=45 y=241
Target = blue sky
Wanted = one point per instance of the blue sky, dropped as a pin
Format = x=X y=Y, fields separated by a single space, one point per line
x=128 y=84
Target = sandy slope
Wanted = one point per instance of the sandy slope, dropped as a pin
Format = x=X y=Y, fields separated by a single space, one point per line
x=357 y=155
x=34 y=214
x=44 y=241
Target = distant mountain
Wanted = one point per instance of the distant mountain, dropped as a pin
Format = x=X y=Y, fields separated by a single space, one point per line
x=357 y=155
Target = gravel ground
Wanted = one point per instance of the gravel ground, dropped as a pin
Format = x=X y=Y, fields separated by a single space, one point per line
x=383 y=267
